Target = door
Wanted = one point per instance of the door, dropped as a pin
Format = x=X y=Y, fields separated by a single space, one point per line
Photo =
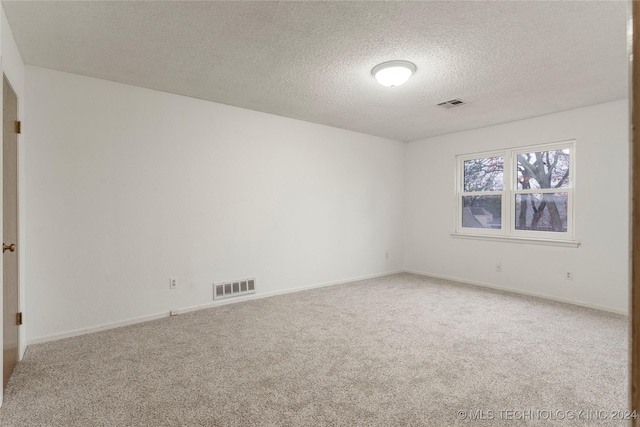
x=10 y=230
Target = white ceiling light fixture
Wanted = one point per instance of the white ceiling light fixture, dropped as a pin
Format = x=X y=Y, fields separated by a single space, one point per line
x=393 y=73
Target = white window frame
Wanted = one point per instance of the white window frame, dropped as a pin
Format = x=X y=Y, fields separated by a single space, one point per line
x=508 y=232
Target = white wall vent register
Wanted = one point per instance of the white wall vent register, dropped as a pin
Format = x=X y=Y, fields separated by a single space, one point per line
x=234 y=288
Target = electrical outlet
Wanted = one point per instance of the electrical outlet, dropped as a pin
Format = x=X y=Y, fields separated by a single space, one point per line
x=173 y=283
x=568 y=275
x=499 y=267
x=173 y=313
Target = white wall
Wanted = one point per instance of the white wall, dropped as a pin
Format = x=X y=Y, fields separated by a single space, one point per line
x=13 y=68
x=129 y=186
x=600 y=265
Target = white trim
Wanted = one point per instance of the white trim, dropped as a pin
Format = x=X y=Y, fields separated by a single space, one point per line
x=281 y=292
x=141 y=319
x=98 y=328
x=136 y=320
x=484 y=193
x=512 y=239
x=542 y=191
x=522 y=292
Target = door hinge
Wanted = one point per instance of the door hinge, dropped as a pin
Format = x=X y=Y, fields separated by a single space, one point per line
x=18 y=127
x=19 y=318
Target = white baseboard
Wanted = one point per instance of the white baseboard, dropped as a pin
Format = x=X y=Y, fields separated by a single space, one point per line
x=98 y=328
x=282 y=292
x=133 y=321
x=521 y=292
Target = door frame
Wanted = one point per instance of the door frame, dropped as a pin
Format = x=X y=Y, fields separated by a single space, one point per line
x=634 y=297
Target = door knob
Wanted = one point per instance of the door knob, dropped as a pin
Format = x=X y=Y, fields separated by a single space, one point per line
x=11 y=247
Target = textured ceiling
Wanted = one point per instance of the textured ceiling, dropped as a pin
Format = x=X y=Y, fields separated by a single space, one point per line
x=312 y=60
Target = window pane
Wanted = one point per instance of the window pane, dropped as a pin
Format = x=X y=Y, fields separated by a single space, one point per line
x=483 y=174
x=542 y=212
x=482 y=211
x=543 y=169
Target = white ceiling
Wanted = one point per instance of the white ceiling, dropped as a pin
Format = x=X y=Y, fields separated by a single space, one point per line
x=312 y=60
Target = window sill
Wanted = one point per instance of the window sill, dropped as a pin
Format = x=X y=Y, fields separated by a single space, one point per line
x=525 y=240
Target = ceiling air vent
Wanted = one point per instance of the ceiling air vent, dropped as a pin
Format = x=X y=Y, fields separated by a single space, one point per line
x=452 y=103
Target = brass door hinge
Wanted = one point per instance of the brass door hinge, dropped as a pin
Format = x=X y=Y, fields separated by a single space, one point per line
x=19 y=318
x=18 y=127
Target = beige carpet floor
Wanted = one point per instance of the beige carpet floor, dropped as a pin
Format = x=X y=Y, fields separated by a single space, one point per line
x=402 y=350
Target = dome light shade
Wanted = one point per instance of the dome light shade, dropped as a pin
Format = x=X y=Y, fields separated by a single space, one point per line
x=393 y=73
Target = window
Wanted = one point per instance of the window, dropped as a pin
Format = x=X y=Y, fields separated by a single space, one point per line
x=521 y=193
